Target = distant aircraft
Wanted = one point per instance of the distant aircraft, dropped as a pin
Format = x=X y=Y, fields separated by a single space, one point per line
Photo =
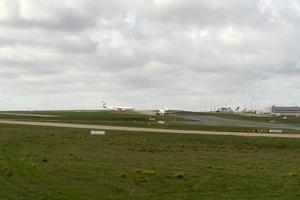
x=237 y=109
x=246 y=111
x=116 y=108
x=163 y=111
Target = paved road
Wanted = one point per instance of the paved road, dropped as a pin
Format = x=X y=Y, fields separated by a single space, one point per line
x=217 y=121
x=155 y=130
x=28 y=115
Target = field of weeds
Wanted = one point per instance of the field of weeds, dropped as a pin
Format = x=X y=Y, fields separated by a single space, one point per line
x=52 y=163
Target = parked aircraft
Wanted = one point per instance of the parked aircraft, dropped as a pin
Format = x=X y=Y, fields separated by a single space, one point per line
x=116 y=108
x=163 y=111
x=246 y=111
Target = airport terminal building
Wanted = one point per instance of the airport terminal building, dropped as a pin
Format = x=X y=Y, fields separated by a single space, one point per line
x=280 y=110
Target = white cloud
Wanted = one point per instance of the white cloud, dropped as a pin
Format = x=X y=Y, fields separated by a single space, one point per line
x=161 y=3
x=230 y=36
x=8 y=9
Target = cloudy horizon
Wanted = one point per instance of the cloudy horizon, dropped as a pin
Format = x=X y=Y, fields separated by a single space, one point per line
x=195 y=54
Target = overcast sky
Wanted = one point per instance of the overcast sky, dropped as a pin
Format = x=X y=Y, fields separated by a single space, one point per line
x=187 y=54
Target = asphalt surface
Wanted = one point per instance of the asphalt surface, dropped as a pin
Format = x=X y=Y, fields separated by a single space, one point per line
x=155 y=130
x=217 y=121
x=28 y=115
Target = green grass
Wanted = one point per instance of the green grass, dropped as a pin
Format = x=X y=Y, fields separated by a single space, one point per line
x=94 y=117
x=52 y=163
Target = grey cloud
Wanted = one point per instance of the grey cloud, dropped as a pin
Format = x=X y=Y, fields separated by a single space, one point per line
x=60 y=15
x=148 y=53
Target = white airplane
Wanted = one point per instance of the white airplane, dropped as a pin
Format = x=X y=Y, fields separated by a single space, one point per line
x=116 y=108
x=163 y=111
x=246 y=111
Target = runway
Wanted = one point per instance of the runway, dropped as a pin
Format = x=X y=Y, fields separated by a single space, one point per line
x=217 y=121
x=153 y=130
x=28 y=115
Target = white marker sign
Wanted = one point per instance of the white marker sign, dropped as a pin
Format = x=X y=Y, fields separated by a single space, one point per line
x=275 y=131
x=97 y=132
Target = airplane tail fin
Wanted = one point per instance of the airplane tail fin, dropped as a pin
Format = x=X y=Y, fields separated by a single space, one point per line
x=103 y=104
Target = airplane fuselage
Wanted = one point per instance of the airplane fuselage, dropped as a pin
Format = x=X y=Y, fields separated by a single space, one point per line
x=116 y=108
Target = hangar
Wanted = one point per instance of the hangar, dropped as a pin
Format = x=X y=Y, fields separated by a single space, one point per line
x=282 y=110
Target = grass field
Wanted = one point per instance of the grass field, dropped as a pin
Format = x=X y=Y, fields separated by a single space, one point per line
x=52 y=163
x=125 y=119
